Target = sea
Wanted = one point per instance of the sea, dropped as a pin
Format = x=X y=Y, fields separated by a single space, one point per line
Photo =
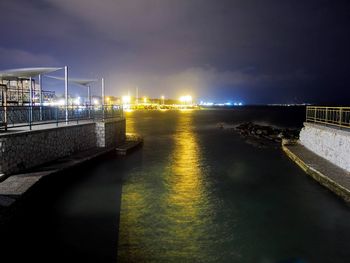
x=194 y=192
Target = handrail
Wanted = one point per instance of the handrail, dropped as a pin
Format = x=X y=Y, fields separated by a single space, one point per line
x=333 y=116
x=28 y=116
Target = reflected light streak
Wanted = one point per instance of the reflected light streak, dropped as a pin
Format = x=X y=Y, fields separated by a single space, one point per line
x=166 y=205
x=187 y=200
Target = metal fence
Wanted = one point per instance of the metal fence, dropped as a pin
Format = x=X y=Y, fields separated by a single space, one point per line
x=334 y=116
x=28 y=116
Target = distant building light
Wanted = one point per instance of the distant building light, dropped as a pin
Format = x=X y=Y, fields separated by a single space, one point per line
x=126 y=99
x=60 y=102
x=186 y=99
x=204 y=103
x=77 y=101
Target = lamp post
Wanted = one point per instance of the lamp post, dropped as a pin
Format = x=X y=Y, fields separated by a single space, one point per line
x=41 y=97
x=103 y=91
x=30 y=103
x=66 y=91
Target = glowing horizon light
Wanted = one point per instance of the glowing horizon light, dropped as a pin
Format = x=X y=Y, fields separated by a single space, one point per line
x=126 y=99
x=61 y=102
x=96 y=102
x=77 y=101
x=144 y=99
x=206 y=103
x=186 y=99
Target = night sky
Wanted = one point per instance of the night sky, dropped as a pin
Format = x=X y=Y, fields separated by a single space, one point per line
x=271 y=51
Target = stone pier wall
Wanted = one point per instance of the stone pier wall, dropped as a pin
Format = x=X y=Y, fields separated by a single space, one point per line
x=110 y=133
x=330 y=143
x=23 y=150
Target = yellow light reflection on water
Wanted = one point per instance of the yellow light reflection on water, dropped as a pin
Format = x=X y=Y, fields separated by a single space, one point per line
x=130 y=122
x=166 y=208
x=186 y=198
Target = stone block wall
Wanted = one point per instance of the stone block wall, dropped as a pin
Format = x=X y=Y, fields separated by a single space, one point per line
x=23 y=150
x=330 y=143
x=19 y=151
x=110 y=133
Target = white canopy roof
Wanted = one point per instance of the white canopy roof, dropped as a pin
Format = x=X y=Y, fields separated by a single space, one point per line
x=83 y=82
x=24 y=73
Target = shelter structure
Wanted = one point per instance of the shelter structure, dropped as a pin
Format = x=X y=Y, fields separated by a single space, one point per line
x=18 y=87
x=82 y=82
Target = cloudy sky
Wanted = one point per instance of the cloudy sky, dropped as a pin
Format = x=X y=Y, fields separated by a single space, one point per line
x=257 y=51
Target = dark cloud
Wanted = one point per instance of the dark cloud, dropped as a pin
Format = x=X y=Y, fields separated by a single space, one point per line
x=260 y=51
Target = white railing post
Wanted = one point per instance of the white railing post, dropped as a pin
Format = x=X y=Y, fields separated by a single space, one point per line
x=340 y=115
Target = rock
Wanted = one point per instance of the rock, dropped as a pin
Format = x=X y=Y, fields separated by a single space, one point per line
x=220 y=125
x=262 y=133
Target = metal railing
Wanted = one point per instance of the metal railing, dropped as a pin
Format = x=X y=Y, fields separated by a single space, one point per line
x=334 y=116
x=28 y=116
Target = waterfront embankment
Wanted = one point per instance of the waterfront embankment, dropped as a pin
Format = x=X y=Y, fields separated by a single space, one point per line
x=17 y=185
x=323 y=152
x=27 y=157
x=323 y=171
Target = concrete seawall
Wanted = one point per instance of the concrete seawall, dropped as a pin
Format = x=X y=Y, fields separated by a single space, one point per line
x=26 y=149
x=323 y=152
x=332 y=144
x=324 y=172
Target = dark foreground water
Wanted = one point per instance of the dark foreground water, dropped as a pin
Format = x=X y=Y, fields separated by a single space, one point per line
x=194 y=193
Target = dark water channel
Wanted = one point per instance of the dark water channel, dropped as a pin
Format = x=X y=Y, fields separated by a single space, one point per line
x=194 y=193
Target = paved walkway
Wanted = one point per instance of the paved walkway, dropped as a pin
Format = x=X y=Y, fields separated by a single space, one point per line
x=12 y=130
x=325 y=172
x=16 y=185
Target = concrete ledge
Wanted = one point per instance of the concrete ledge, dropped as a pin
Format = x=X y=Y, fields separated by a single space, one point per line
x=22 y=150
x=326 y=173
x=13 y=132
x=330 y=143
x=15 y=186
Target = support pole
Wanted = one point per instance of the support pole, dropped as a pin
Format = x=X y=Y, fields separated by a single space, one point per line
x=89 y=94
x=89 y=100
x=17 y=87
x=66 y=91
x=22 y=90
x=5 y=107
x=41 y=97
x=103 y=97
x=103 y=91
x=30 y=102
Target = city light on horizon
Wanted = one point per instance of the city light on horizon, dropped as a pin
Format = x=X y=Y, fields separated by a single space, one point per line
x=126 y=99
x=186 y=99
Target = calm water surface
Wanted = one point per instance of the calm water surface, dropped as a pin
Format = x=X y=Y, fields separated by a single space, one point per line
x=194 y=193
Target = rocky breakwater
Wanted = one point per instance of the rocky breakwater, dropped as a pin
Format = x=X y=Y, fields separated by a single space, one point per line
x=265 y=135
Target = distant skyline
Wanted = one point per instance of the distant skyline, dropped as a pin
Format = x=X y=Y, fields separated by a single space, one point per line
x=244 y=50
